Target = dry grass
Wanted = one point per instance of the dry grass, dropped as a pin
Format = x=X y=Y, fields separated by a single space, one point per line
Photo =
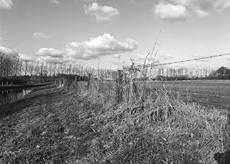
x=165 y=129
x=55 y=126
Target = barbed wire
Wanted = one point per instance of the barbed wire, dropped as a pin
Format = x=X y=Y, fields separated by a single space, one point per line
x=183 y=61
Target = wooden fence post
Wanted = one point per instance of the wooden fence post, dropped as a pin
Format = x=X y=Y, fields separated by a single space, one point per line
x=62 y=82
x=226 y=132
x=59 y=82
x=75 y=82
x=89 y=81
x=119 y=88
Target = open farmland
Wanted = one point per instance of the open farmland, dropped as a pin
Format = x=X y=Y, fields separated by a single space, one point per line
x=208 y=93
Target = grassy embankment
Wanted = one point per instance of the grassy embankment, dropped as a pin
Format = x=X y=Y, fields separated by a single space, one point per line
x=51 y=125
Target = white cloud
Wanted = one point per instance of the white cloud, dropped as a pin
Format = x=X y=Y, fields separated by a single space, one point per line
x=8 y=52
x=101 y=13
x=221 y=4
x=51 y=55
x=27 y=57
x=48 y=55
x=100 y=46
x=180 y=2
x=203 y=4
x=170 y=12
x=200 y=13
x=116 y=56
x=50 y=52
x=55 y=2
x=38 y=35
x=6 y=4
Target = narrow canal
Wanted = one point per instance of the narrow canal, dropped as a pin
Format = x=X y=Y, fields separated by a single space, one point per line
x=12 y=95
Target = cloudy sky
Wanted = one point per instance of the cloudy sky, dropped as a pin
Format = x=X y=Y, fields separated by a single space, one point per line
x=105 y=32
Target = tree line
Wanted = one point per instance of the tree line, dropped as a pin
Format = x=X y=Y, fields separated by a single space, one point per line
x=14 y=70
x=222 y=73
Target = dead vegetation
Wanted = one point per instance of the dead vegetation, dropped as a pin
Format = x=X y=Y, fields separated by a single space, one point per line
x=51 y=125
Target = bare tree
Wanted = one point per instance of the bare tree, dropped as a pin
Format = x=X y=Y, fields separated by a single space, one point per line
x=54 y=70
x=25 y=67
x=31 y=69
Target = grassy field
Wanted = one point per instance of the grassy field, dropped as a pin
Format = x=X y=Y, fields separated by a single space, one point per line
x=208 y=93
x=52 y=125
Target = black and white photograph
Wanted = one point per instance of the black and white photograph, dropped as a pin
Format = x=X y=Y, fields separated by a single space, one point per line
x=114 y=81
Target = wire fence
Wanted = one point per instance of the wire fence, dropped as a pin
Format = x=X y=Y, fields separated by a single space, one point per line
x=183 y=61
x=155 y=68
